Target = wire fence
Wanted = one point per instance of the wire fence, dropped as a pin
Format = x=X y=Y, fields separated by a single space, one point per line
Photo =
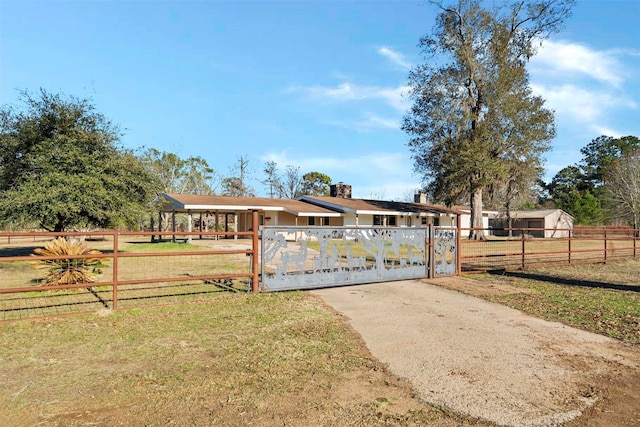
x=142 y=269
x=121 y=270
x=519 y=249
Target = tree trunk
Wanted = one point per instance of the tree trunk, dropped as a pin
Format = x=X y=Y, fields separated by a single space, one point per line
x=477 y=232
x=59 y=227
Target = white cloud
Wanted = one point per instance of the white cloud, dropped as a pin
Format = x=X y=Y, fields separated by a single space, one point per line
x=395 y=57
x=579 y=103
x=393 y=96
x=562 y=57
x=368 y=123
x=603 y=130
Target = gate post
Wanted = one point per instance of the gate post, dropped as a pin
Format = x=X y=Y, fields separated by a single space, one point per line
x=458 y=247
x=431 y=253
x=255 y=277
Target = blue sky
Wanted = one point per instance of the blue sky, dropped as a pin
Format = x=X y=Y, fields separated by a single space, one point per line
x=314 y=84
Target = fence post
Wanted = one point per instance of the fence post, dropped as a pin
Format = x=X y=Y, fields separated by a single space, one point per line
x=255 y=277
x=569 y=251
x=116 y=237
x=523 y=247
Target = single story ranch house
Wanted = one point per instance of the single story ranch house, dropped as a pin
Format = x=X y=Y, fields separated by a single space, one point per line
x=340 y=209
x=337 y=210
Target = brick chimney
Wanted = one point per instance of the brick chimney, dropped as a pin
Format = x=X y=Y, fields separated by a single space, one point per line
x=340 y=190
x=420 y=197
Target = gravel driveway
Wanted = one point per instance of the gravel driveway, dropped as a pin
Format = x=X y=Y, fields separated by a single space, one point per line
x=480 y=358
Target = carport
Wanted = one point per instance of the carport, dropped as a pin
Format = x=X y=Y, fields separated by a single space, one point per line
x=234 y=213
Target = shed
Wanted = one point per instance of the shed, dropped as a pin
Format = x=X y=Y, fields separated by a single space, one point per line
x=542 y=223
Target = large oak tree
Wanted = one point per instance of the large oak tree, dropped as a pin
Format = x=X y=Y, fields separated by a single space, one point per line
x=61 y=167
x=474 y=119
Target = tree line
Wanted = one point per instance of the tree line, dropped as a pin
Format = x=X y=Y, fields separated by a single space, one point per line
x=603 y=187
x=62 y=166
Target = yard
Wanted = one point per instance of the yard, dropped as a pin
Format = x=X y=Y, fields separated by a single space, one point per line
x=271 y=359
x=276 y=359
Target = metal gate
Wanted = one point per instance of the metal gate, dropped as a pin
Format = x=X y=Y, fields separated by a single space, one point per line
x=314 y=257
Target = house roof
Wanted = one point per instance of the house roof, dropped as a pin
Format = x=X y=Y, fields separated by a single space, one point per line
x=195 y=203
x=376 y=207
x=467 y=210
x=542 y=213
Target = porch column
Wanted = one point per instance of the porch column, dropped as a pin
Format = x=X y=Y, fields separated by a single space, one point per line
x=217 y=222
x=235 y=225
x=160 y=225
x=173 y=225
x=189 y=225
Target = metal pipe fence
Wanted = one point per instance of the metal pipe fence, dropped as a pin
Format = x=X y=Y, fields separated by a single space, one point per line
x=519 y=248
x=131 y=270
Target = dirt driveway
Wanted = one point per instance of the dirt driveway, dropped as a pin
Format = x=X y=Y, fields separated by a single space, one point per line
x=490 y=361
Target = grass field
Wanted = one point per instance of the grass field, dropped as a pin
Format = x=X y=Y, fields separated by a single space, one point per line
x=602 y=298
x=151 y=269
x=224 y=358
x=266 y=360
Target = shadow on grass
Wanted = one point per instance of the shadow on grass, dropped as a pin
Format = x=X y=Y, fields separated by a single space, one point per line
x=18 y=251
x=48 y=300
x=565 y=281
x=29 y=250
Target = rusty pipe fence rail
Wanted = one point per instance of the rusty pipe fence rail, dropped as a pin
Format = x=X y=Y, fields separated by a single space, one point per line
x=525 y=248
x=211 y=264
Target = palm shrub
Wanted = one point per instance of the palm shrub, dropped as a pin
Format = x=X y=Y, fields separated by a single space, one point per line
x=68 y=271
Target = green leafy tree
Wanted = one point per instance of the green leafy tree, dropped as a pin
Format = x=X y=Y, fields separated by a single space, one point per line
x=61 y=167
x=599 y=155
x=174 y=174
x=564 y=183
x=600 y=162
x=315 y=184
x=589 y=210
x=475 y=115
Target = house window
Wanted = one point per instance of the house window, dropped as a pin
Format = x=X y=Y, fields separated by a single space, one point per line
x=436 y=221
x=385 y=220
x=326 y=221
x=312 y=220
x=424 y=220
